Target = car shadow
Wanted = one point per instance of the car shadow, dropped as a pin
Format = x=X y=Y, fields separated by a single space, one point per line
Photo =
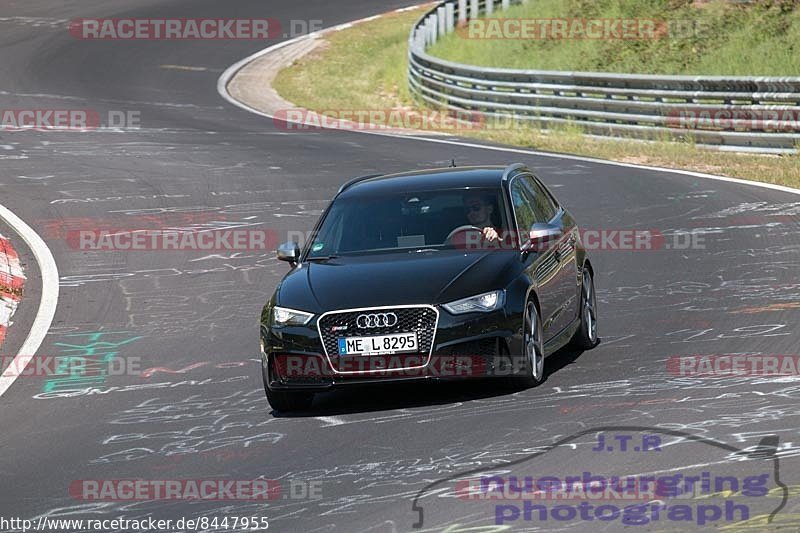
x=375 y=398
x=387 y=397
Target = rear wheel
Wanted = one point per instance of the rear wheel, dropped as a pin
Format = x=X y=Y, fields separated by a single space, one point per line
x=286 y=400
x=586 y=336
x=533 y=349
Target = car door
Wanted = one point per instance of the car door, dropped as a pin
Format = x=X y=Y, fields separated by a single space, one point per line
x=565 y=286
x=542 y=265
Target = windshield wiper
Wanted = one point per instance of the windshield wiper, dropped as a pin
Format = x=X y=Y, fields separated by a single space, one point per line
x=321 y=258
x=423 y=250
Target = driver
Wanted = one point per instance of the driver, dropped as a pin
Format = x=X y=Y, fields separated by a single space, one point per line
x=479 y=214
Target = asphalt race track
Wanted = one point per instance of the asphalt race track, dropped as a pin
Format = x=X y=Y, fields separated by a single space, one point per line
x=366 y=454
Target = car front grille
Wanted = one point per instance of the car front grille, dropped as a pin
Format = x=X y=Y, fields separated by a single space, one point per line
x=419 y=319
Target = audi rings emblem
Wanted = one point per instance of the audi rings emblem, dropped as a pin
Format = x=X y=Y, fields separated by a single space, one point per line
x=376 y=320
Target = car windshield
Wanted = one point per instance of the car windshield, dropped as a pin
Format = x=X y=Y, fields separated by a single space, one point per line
x=406 y=221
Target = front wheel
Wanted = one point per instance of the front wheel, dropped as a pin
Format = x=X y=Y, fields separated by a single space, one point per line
x=586 y=336
x=533 y=346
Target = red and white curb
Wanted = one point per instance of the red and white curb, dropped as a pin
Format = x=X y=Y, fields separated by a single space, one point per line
x=12 y=281
x=48 y=300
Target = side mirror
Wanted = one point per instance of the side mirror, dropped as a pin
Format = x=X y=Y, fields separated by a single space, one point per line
x=289 y=251
x=543 y=236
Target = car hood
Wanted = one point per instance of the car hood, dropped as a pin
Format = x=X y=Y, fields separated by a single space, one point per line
x=394 y=279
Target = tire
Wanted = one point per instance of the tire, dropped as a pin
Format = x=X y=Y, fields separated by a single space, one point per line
x=586 y=336
x=285 y=401
x=533 y=349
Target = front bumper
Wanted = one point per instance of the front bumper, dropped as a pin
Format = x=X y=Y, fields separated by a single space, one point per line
x=475 y=345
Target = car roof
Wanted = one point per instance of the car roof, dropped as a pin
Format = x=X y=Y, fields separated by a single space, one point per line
x=431 y=179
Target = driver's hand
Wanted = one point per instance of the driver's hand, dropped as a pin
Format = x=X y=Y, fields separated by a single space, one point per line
x=490 y=234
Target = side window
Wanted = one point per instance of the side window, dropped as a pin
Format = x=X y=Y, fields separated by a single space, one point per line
x=523 y=205
x=543 y=205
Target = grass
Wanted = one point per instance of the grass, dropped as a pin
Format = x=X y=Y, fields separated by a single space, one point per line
x=364 y=67
x=714 y=38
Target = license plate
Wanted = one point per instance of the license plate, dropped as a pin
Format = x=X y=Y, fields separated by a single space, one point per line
x=379 y=344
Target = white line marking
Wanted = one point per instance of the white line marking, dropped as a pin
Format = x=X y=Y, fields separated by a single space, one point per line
x=47 y=304
x=230 y=72
x=183 y=67
x=331 y=421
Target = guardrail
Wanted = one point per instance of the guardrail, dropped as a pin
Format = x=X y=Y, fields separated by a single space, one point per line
x=760 y=114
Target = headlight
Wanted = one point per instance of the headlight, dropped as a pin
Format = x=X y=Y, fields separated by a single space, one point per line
x=482 y=303
x=282 y=316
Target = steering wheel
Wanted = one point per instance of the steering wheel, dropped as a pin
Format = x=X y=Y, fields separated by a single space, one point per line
x=465 y=227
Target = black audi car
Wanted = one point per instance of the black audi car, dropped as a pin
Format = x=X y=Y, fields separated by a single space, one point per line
x=440 y=274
